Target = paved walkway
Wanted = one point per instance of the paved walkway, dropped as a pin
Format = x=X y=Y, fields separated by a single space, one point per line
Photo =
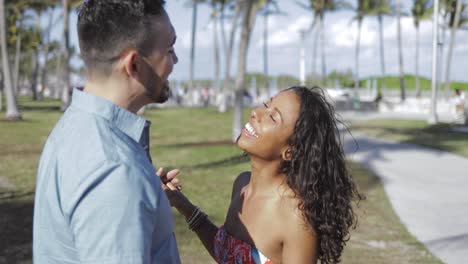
x=427 y=188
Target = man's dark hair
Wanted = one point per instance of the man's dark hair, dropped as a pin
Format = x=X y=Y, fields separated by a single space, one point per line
x=106 y=28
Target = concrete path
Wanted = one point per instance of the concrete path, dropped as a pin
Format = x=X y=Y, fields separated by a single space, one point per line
x=427 y=188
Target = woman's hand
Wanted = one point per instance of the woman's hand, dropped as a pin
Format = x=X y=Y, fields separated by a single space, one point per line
x=170 y=179
x=170 y=185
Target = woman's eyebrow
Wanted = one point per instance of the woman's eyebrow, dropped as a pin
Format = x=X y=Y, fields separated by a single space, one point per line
x=276 y=109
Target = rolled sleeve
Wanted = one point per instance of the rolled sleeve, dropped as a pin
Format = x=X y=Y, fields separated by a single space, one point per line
x=112 y=215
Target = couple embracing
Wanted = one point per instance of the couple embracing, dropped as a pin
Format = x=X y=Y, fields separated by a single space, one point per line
x=98 y=199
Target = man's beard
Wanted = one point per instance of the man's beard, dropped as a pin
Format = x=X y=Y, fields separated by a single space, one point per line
x=160 y=95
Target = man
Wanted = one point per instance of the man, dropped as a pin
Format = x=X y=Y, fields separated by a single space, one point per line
x=97 y=197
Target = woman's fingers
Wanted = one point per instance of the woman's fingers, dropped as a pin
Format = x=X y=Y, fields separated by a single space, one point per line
x=160 y=172
x=169 y=180
x=173 y=173
x=171 y=186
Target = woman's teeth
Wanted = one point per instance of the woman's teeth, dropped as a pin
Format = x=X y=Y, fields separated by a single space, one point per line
x=250 y=129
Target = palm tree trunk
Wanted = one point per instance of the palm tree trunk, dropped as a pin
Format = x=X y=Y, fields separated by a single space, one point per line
x=227 y=68
x=17 y=57
x=382 y=51
x=400 y=53
x=247 y=10
x=12 y=112
x=356 y=57
x=192 y=46
x=265 y=51
x=66 y=72
x=216 y=48
x=418 y=85
x=35 y=65
x=45 y=68
x=453 y=31
x=35 y=60
x=314 y=52
x=322 y=50
x=223 y=29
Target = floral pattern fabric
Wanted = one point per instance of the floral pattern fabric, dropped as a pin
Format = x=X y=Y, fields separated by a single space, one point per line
x=229 y=250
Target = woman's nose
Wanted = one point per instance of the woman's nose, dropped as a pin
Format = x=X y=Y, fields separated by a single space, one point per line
x=254 y=114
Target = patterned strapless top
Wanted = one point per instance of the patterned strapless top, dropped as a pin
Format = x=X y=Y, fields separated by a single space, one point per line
x=229 y=250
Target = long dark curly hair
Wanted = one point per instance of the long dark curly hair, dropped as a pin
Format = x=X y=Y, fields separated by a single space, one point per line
x=318 y=174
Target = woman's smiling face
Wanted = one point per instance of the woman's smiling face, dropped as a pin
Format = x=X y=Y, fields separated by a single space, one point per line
x=270 y=126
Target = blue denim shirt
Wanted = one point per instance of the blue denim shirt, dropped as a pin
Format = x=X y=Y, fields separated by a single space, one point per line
x=98 y=199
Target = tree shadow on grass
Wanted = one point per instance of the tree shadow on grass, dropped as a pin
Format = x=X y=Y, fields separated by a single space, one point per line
x=198 y=144
x=51 y=108
x=16 y=231
x=230 y=161
x=439 y=137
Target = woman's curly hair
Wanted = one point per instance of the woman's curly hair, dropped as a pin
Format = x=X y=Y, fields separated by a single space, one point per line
x=318 y=174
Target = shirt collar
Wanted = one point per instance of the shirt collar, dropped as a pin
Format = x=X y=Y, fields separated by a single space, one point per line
x=129 y=123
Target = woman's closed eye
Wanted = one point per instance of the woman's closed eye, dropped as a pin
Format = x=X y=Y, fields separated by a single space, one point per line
x=271 y=116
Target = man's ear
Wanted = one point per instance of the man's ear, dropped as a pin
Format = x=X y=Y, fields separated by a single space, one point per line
x=286 y=154
x=131 y=64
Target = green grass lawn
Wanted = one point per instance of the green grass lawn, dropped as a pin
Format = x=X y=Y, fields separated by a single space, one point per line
x=393 y=82
x=416 y=132
x=196 y=140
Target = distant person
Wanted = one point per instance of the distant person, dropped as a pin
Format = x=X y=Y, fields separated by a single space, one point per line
x=205 y=94
x=459 y=103
x=295 y=205
x=97 y=198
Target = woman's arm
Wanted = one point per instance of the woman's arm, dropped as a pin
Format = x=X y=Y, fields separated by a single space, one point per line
x=206 y=230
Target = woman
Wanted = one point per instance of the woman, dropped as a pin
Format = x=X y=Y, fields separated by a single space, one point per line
x=295 y=206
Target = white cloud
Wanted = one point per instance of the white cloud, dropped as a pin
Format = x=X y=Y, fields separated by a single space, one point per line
x=290 y=33
x=344 y=34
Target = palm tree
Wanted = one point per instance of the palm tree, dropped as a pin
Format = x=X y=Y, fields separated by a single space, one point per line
x=230 y=46
x=319 y=8
x=363 y=8
x=249 y=10
x=381 y=8
x=400 y=52
x=12 y=111
x=18 y=51
x=456 y=19
x=222 y=16
x=47 y=48
x=192 y=44
x=39 y=8
x=421 y=10
x=214 y=18
x=67 y=6
x=66 y=55
x=266 y=12
x=16 y=19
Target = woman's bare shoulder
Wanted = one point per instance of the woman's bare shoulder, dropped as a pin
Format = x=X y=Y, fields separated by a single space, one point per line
x=290 y=215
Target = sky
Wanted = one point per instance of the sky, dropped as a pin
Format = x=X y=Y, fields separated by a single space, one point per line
x=284 y=43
